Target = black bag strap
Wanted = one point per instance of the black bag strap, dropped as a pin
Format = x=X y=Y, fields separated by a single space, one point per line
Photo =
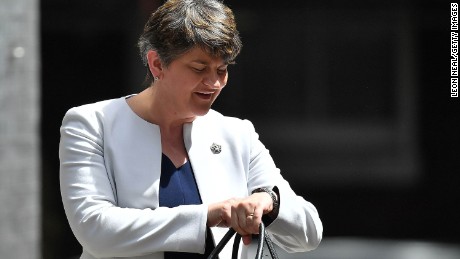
x=263 y=237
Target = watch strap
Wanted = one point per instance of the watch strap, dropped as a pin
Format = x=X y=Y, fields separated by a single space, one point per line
x=275 y=201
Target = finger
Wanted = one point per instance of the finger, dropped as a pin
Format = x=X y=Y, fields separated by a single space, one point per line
x=239 y=217
x=249 y=222
x=252 y=224
x=256 y=220
x=236 y=221
x=244 y=216
x=247 y=239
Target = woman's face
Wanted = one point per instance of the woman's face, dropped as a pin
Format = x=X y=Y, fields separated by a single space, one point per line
x=193 y=81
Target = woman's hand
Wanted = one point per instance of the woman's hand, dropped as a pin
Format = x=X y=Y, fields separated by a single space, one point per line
x=243 y=215
x=219 y=214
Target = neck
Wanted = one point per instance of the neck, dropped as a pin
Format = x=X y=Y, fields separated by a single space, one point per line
x=154 y=108
x=157 y=109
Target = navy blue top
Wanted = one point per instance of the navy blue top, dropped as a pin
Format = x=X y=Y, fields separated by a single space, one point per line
x=178 y=187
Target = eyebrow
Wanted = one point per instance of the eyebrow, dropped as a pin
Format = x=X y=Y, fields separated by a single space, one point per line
x=206 y=63
x=199 y=61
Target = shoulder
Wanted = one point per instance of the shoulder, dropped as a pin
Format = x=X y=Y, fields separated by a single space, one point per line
x=92 y=115
x=92 y=109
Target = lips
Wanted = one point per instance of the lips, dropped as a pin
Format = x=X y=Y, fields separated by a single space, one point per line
x=204 y=94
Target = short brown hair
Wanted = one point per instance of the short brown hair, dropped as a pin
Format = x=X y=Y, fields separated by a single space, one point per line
x=179 y=25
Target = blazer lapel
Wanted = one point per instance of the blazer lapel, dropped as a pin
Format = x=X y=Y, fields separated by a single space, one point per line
x=199 y=136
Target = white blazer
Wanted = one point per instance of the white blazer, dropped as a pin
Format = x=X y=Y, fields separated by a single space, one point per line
x=110 y=165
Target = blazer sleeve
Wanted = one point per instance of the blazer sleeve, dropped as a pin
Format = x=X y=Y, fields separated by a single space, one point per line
x=88 y=195
x=298 y=227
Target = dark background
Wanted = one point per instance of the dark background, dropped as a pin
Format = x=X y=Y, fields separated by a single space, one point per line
x=351 y=97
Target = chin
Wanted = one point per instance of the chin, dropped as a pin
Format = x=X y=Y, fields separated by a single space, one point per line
x=201 y=111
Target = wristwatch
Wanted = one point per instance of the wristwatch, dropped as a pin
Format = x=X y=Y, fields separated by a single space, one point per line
x=273 y=195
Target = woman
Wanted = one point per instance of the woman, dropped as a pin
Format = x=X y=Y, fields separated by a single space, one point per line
x=161 y=175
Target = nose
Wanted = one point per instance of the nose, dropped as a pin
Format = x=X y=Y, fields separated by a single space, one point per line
x=213 y=81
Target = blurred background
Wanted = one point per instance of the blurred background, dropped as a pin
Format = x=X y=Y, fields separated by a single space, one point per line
x=352 y=98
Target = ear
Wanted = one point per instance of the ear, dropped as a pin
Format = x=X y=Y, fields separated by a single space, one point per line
x=154 y=62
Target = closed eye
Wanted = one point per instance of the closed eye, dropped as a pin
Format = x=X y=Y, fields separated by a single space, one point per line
x=222 y=70
x=199 y=70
